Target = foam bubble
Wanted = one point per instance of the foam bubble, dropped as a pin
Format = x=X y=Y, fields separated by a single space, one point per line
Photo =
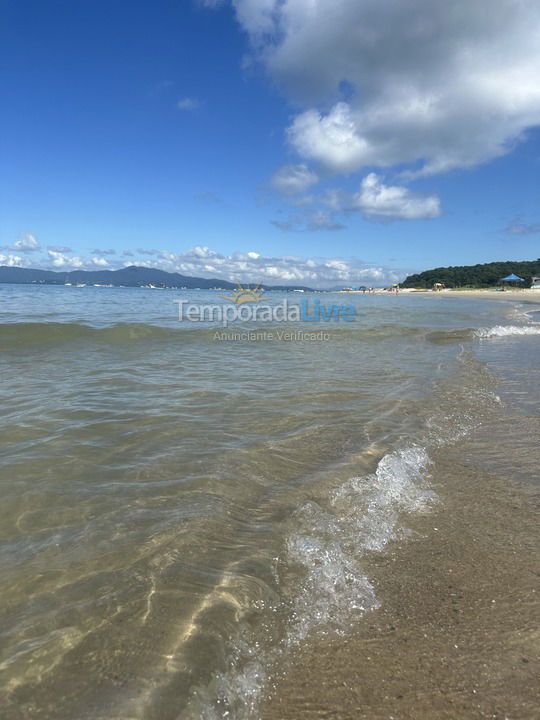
x=507 y=330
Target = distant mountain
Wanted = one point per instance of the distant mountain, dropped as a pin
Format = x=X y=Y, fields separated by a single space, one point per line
x=132 y=276
x=486 y=275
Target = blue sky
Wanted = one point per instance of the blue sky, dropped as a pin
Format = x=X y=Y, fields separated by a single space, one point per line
x=320 y=141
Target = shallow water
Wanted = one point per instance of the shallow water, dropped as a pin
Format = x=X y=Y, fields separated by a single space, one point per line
x=181 y=511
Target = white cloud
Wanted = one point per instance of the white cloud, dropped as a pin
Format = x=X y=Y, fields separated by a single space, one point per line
x=26 y=243
x=11 y=260
x=256 y=16
x=392 y=201
x=255 y=267
x=61 y=260
x=188 y=103
x=436 y=85
x=331 y=140
x=293 y=179
x=100 y=261
x=374 y=200
x=201 y=252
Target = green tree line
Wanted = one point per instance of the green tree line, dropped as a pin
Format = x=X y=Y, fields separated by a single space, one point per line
x=477 y=276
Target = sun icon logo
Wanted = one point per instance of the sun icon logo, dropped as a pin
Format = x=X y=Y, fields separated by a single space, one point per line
x=245 y=294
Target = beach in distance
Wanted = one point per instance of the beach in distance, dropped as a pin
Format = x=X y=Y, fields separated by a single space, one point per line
x=191 y=523
x=525 y=294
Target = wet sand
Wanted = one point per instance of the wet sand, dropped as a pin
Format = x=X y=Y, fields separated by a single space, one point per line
x=457 y=635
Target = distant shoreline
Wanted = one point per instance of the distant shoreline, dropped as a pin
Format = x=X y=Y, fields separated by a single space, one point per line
x=523 y=294
x=527 y=294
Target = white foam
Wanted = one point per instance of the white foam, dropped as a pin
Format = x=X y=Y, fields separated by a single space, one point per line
x=363 y=514
x=507 y=330
x=334 y=589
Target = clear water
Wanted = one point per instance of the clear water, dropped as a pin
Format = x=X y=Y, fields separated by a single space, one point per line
x=179 y=511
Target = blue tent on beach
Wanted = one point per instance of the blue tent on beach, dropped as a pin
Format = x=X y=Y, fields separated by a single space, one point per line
x=512 y=278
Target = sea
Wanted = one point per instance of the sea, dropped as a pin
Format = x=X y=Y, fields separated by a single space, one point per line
x=185 y=504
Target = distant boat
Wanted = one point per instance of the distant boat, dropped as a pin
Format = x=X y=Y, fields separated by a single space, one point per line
x=80 y=285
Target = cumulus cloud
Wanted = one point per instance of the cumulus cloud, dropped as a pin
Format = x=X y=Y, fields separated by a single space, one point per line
x=293 y=179
x=431 y=85
x=59 y=259
x=11 y=260
x=100 y=262
x=188 y=103
x=252 y=266
x=376 y=200
x=26 y=243
x=331 y=140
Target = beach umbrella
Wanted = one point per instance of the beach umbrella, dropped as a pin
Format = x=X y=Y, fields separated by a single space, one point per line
x=512 y=278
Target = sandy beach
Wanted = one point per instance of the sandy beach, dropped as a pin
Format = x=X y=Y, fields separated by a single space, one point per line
x=525 y=294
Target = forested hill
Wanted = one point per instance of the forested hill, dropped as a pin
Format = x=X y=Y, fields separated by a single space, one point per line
x=486 y=275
